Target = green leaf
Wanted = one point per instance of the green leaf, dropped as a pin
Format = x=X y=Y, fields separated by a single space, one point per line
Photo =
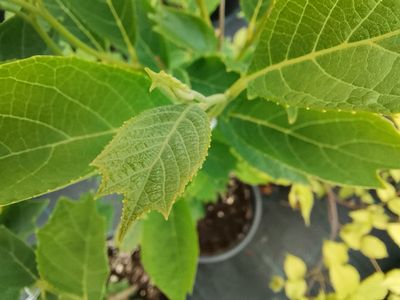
x=371 y=288
x=132 y=238
x=71 y=251
x=213 y=178
x=185 y=30
x=249 y=174
x=373 y=247
x=170 y=251
x=18 y=39
x=153 y=157
x=392 y=281
x=56 y=115
x=112 y=20
x=393 y=230
x=345 y=280
x=338 y=147
x=334 y=253
x=18 y=266
x=209 y=76
x=21 y=217
x=330 y=55
x=294 y=267
x=352 y=234
x=254 y=8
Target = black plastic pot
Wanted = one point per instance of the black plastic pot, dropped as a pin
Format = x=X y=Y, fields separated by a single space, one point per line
x=257 y=208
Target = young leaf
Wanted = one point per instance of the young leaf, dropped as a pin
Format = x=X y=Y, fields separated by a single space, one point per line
x=56 y=115
x=276 y=284
x=302 y=195
x=170 y=250
x=185 y=30
x=373 y=247
x=336 y=147
x=345 y=280
x=18 y=39
x=313 y=54
x=295 y=289
x=294 y=267
x=394 y=206
x=71 y=252
x=393 y=230
x=372 y=288
x=153 y=157
x=21 y=217
x=334 y=253
x=392 y=281
x=352 y=234
x=18 y=266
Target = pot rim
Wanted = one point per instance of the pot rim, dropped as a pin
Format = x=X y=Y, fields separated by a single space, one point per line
x=257 y=200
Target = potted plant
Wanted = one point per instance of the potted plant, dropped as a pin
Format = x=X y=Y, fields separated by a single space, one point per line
x=307 y=94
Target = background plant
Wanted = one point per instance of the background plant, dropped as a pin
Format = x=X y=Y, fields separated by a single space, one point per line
x=127 y=89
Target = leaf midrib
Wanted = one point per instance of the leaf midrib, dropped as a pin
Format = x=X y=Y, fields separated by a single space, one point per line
x=315 y=54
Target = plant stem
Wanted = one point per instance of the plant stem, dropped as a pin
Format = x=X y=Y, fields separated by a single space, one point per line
x=124 y=294
x=45 y=37
x=221 y=24
x=375 y=265
x=332 y=213
x=204 y=11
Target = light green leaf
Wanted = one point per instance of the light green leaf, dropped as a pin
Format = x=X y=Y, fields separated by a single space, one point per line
x=352 y=234
x=393 y=230
x=56 y=115
x=295 y=289
x=18 y=39
x=371 y=288
x=276 y=284
x=170 y=251
x=209 y=76
x=302 y=195
x=334 y=253
x=71 y=251
x=21 y=217
x=321 y=144
x=249 y=174
x=153 y=157
x=18 y=266
x=373 y=247
x=392 y=281
x=330 y=55
x=132 y=238
x=387 y=193
x=294 y=267
x=254 y=8
x=185 y=30
x=394 y=206
x=345 y=280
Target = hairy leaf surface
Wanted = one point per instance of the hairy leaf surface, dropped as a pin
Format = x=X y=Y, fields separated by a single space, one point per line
x=342 y=147
x=56 y=115
x=170 y=251
x=334 y=54
x=153 y=157
x=71 y=253
x=18 y=266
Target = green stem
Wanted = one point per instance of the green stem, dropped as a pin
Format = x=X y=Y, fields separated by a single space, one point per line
x=46 y=38
x=212 y=100
x=221 y=24
x=204 y=11
x=237 y=88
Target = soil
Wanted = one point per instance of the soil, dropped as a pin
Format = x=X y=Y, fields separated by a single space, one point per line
x=227 y=221
x=225 y=224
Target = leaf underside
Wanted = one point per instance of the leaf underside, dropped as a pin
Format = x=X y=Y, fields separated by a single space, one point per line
x=334 y=54
x=153 y=157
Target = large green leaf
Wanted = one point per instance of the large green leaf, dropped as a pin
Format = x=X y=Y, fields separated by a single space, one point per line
x=186 y=30
x=153 y=157
x=342 y=147
x=112 y=20
x=333 y=54
x=56 y=115
x=21 y=218
x=170 y=250
x=71 y=251
x=18 y=39
x=18 y=266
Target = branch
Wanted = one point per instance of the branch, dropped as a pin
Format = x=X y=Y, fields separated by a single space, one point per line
x=332 y=213
x=221 y=24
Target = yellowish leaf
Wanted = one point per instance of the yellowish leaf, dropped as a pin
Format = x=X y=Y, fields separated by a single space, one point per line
x=302 y=195
x=392 y=281
x=395 y=175
x=373 y=247
x=393 y=230
x=394 y=206
x=386 y=194
x=334 y=253
x=352 y=233
x=295 y=289
x=361 y=216
x=294 y=267
x=371 y=288
x=276 y=284
x=345 y=280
